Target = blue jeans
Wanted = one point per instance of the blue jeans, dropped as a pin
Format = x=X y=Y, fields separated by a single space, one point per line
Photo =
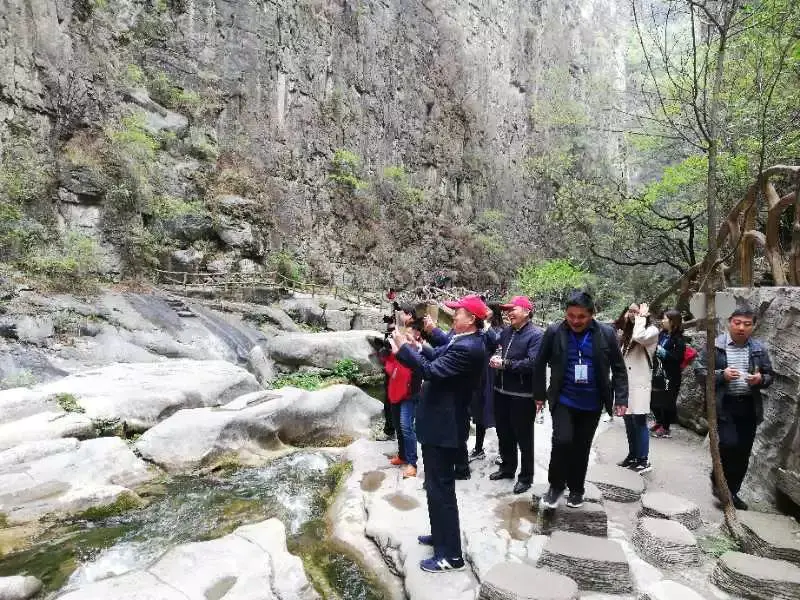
x=408 y=411
x=638 y=436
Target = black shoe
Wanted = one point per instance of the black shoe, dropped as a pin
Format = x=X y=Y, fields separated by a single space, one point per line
x=627 y=462
x=551 y=498
x=521 y=487
x=425 y=540
x=575 y=500
x=463 y=475
x=498 y=461
x=501 y=475
x=738 y=503
x=477 y=455
x=641 y=466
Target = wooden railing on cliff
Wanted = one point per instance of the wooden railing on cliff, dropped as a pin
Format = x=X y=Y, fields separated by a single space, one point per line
x=227 y=282
x=738 y=237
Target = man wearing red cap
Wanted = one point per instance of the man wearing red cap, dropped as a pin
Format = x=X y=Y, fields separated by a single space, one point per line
x=514 y=408
x=452 y=372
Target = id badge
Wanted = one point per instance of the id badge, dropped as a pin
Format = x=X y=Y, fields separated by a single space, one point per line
x=581 y=373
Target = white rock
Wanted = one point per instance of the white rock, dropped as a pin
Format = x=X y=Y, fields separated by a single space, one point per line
x=257 y=425
x=45 y=426
x=138 y=394
x=79 y=476
x=19 y=587
x=669 y=590
x=252 y=563
x=324 y=350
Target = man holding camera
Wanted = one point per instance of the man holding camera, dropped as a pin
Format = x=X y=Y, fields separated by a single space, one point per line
x=452 y=372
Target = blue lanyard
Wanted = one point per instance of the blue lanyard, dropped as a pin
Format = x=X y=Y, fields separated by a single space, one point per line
x=580 y=346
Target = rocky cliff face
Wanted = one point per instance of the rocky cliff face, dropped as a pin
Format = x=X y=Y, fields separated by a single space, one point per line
x=216 y=134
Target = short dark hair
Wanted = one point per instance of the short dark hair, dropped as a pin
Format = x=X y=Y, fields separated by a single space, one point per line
x=480 y=324
x=744 y=310
x=581 y=299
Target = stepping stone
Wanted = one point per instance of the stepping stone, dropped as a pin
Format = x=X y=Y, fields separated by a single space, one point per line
x=674 y=508
x=756 y=577
x=771 y=536
x=596 y=564
x=661 y=541
x=591 y=494
x=617 y=483
x=589 y=519
x=518 y=581
x=19 y=587
x=669 y=590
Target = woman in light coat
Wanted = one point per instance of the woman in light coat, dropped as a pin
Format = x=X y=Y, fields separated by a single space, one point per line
x=638 y=341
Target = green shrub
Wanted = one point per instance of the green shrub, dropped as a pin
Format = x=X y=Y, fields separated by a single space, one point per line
x=347 y=368
x=134 y=75
x=286 y=266
x=70 y=264
x=305 y=381
x=169 y=207
x=122 y=504
x=345 y=169
x=68 y=403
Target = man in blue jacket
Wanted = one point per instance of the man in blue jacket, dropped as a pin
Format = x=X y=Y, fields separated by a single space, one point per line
x=452 y=372
x=514 y=408
x=587 y=375
x=742 y=369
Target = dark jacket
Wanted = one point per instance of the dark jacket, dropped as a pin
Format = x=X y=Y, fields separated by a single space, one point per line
x=452 y=372
x=606 y=356
x=520 y=348
x=759 y=358
x=668 y=367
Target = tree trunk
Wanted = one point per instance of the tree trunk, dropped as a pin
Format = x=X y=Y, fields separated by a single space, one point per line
x=713 y=116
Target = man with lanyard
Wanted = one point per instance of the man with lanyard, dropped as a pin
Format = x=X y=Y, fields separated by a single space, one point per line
x=452 y=373
x=581 y=353
x=742 y=369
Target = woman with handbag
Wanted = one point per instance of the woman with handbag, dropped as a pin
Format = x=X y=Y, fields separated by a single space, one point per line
x=667 y=373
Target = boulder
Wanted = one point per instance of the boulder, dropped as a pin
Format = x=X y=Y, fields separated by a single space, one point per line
x=67 y=476
x=669 y=590
x=771 y=536
x=325 y=349
x=616 y=483
x=138 y=395
x=303 y=310
x=338 y=320
x=46 y=425
x=250 y=563
x=789 y=482
x=83 y=182
x=596 y=564
x=368 y=318
x=158 y=119
x=256 y=425
x=19 y=587
x=188 y=227
x=239 y=234
x=589 y=519
x=187 y=259
x=664 y=542
x=756 y=577
x=666 y=506
x=518 y=581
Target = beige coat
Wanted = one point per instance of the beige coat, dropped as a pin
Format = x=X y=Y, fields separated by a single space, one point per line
x=640 y=375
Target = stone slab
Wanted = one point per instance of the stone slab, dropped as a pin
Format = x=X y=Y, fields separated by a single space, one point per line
x=589 y=519
x=662 y=541
x=771 y=536
x=666 y=506
x=596 y=564
x=669 y=590
x=757 y=577
x=518 y=581
x=617 y=483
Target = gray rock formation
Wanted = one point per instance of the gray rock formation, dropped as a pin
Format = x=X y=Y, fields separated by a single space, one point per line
x=669 y=590
x=664 y=542
x=19 y=587
x=666 y=506
x=256 y=426
x=756 y=577
x=324 y=350
x=67 y=476
x=518 y=581
x=589 y=519
x=252 y=562
x=616 y=483
x=595 y=564
x=771 y=536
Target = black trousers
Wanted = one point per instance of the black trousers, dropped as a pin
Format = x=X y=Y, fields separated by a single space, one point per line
x=514 y=416
x=388 y=426
x=737 y=431
x=394 y=409
x=573 y=432
x=664 y=404
x=440 y=489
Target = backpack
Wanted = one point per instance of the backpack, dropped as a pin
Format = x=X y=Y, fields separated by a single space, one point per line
x=689 y=354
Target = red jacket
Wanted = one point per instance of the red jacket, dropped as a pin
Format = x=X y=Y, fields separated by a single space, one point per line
x=400 y=376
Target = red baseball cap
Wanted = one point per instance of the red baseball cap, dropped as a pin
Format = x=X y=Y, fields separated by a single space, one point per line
x=522 y=301
x=472 y=304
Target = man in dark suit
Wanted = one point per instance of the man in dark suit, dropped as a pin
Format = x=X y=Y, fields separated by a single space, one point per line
x=452 y=372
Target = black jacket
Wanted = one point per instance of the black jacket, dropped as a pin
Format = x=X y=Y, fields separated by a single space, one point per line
x=520 y=348
x=451 y=372
x=611 y=376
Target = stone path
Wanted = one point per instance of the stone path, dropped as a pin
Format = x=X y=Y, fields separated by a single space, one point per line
x=771 y=536
x=517 y=581
x=757 y=577
x=664 y=542
x=667 y=506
